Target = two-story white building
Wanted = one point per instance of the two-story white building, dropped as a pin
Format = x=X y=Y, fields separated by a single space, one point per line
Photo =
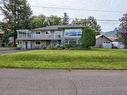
x=49 y=36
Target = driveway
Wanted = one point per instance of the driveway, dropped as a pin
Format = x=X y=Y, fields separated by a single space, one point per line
x=8 y=50
x=62 y=82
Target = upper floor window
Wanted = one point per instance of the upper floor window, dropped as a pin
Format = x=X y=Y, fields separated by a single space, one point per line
x=38 y=32
x=47 y=32
x=58 y=32
x=72 y=32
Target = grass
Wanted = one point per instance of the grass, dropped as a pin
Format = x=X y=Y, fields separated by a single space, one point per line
x=101 y=59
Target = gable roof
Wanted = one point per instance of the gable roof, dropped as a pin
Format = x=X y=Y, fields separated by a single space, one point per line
x=114 y=38
x=98 y=36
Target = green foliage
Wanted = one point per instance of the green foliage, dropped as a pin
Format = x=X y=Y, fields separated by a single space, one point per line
x=123 y=37
x=88 y=38
x=17 y=15
x=38 y=21
x=54 y=20
x=123 y=29
x=66 y=59
x=43 y=21
x=89 y=22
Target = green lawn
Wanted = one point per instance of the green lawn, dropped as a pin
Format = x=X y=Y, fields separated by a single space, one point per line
x=111 y=59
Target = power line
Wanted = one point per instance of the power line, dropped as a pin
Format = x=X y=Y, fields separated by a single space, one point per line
x=110 y=20
x=75 y=9
x=99 y=20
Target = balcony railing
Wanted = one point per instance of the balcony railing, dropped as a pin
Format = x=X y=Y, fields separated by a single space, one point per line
x=38 y=37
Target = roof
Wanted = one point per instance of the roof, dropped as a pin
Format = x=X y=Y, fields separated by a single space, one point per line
x=98 y=36
x=58 y=27
x=23 y=30
x=114 y=38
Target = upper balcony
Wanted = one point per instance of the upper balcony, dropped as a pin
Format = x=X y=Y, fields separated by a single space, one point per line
x=38 y=37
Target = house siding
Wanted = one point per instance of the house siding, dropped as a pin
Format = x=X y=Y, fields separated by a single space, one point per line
x=100 y=41
x=28 y=38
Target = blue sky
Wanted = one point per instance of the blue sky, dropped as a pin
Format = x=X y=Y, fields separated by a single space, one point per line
x=107 y=5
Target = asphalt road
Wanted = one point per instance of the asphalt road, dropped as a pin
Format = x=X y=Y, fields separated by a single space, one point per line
x=62 y=82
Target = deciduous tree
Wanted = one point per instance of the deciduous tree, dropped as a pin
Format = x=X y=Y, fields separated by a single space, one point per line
x=123 y=29
x=89 y=22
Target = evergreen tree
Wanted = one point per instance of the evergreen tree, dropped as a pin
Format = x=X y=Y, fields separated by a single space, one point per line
x=88 y=38
x=17 y=15
x=65 y=19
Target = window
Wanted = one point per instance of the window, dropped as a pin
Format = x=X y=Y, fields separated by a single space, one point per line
x=29 y=35
x=72 y=42
x=38 y=43
x=19 y=42
x=79 y=41
x=58 y=34
x=47 y=32
x=72 y=32
x=38 y=33
x=66 y=41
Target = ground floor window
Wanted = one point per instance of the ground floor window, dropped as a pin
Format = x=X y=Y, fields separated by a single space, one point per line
x=38 y=43
x=73 y=42
x=107 y=42
x=66 y=41
x=20 y=42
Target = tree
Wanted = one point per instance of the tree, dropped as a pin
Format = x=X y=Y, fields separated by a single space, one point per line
x=65 y=19
x=17 y=15
x=88 y=37
x=42 y=21
x=38 y=21
x=90 y=22
x=123 y=29
x=54 y=20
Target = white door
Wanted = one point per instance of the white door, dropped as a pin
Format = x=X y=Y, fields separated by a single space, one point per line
x=28 y=43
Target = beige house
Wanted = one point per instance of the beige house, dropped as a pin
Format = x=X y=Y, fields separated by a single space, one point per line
x=103 y=42
x=49 y=36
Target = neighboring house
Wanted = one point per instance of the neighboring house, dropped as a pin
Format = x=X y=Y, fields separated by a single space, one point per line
x=49 y=36
x=116 y=42
x=103 y=42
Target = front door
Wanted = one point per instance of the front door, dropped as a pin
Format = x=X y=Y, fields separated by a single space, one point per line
x=28 y=45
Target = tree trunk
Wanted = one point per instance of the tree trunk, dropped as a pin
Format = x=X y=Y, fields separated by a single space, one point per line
x=15 y=38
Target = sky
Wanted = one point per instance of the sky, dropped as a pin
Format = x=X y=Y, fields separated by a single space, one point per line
x=107 y=5
x=116 y=10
